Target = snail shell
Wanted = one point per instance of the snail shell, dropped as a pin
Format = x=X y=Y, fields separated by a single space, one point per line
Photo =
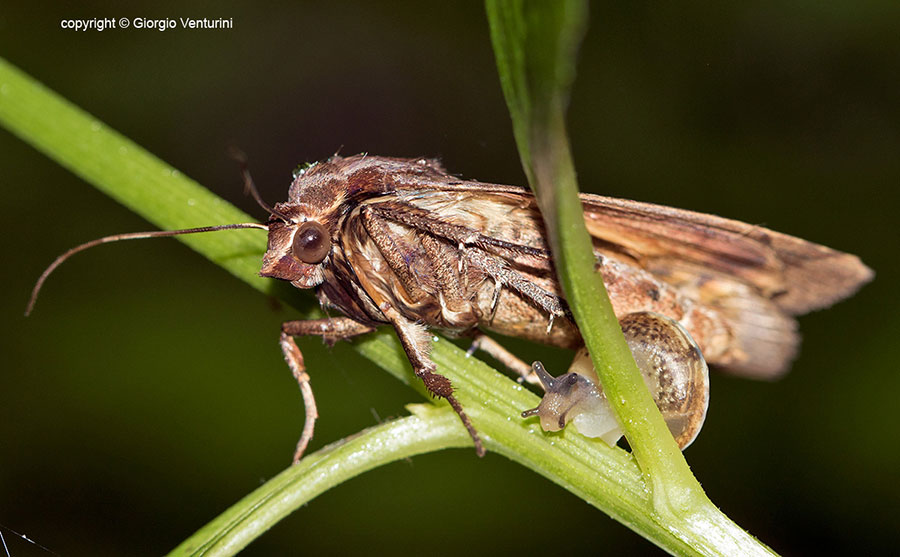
x=673 y=369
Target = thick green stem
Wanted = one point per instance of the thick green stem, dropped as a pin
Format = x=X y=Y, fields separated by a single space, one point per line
x=535 y=45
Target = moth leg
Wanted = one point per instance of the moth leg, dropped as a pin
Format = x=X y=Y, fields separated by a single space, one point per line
x=537 y=257
x=416 y=343
x=502 y=275
x=294 y=359
x=451 y=290
x=331 y=330
x=395 y=258
x=413 y=336
x=437 y=256
x=512 y=362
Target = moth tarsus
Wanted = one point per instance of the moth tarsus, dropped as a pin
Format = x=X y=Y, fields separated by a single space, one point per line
x=399 y=242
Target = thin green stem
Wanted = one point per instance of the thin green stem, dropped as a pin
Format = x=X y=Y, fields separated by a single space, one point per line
x=430 y=429
x=535 y=45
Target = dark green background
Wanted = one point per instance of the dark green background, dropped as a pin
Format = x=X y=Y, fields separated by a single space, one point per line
x=147 y=393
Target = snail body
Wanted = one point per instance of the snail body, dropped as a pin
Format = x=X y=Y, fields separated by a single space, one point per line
x=673 y=369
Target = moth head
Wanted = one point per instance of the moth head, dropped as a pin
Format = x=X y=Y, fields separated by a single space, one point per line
x=301 y=230
x=296 y=251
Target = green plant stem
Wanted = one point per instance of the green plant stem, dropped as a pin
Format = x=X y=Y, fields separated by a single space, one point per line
x=430 y=429
x=135 y=178
x=536 y=82
x=535 y=44
x=603 y=476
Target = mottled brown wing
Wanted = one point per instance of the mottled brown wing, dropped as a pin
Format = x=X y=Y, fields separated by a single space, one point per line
x=798 y=276
x=756 y=279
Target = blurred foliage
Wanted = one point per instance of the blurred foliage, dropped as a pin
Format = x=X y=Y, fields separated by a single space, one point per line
x=781 y=115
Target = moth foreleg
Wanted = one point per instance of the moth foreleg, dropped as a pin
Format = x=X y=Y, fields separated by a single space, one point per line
x=331 y=330
x=397 y=259
x=294 y=359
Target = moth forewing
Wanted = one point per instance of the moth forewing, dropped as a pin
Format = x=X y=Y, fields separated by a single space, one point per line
x=753 y=278
x=797 y=275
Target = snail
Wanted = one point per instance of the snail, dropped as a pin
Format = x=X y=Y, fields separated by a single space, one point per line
x=672 y=366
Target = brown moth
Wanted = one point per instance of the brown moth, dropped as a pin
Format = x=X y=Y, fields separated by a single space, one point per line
x=401 y=242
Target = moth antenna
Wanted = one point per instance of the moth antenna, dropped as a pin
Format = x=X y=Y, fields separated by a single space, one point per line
x=250 y=186
x=129 y=236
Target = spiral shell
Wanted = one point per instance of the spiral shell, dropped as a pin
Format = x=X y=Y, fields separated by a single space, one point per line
x=673 y=368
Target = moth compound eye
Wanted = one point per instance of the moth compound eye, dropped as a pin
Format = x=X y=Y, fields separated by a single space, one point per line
x=311 y=243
